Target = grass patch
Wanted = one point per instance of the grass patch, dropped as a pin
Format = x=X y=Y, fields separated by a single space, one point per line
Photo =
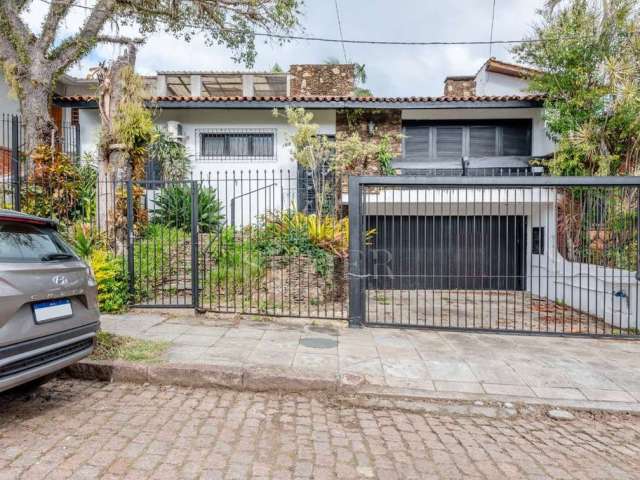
x=116 y=347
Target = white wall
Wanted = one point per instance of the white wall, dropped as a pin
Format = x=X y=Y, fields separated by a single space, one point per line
x=193 y=120
x=541 y=143
x=610 y=294
x=247 y=189
x=491 y=83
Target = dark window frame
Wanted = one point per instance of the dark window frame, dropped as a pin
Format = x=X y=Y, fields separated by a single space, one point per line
x=466 y=125
x=228 y=135
x=537 y=240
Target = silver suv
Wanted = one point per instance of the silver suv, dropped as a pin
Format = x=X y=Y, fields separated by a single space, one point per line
x=48 y=307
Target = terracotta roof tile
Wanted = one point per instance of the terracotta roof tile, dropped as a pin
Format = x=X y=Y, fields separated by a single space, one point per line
x=322 y=99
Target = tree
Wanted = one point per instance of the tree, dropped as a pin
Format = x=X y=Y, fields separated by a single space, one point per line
x=32 y=62
x=588 y=53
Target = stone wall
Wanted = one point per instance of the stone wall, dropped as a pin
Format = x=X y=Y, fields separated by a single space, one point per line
x=459 y=87
x=385 y=122
x=338 y=80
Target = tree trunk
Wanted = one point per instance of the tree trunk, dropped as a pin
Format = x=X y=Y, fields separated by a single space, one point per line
x=34 y=107
x=113 y=164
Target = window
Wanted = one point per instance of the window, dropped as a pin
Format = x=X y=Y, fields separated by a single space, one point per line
x=447 y=140
x=537 y=247
x=237 y=145
x=482 y=141
x=23 y=242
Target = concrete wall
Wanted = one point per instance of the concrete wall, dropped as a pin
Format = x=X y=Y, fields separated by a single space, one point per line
x=491 y=83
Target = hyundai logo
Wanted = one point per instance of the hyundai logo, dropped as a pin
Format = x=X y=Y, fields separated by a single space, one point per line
x=60 y=280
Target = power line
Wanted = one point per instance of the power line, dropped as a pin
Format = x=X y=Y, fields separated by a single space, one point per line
x=433 y=43
x=493 y=18
x=344 y=48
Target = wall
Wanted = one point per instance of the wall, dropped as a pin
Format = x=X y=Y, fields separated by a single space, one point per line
x=607 y=293
x=459 y=87
x=385 y=123
x=254 y=186
x=338 y=80
x=491 y=83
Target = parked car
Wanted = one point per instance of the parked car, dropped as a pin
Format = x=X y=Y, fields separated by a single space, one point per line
x=48 y=307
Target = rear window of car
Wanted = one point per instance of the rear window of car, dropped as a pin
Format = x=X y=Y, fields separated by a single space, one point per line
x=24 y=242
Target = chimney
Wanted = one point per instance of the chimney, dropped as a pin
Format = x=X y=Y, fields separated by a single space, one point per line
x=323 y=80
x=460 y=86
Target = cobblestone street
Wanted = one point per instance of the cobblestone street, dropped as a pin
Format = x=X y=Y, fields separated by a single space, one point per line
x=74 y=429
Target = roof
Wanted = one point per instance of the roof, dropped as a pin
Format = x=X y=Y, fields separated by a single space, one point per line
x=214 y=72
x=323 y=101
x=509 y=69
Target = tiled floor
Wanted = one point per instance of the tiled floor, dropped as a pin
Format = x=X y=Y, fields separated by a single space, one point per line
x=558 y=368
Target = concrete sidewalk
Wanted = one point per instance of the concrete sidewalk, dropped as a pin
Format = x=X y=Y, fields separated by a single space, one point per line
x=565 y=371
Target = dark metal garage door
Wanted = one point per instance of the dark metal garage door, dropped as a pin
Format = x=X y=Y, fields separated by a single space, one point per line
x=446 y=253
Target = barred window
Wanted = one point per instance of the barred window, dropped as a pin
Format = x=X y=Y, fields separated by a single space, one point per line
x=237 y=145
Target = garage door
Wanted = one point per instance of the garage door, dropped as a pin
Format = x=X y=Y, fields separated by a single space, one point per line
x=446 y=253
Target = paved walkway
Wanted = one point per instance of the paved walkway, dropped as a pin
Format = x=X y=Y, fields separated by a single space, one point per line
x=573 y=371
x=73 y=429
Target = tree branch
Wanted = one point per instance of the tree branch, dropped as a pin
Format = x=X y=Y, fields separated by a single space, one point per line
x=75 y=47
x=20 y=33
x=119 y=40
x=8 y=50
x=57 y=11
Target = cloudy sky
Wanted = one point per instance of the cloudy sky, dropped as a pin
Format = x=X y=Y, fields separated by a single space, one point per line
x=391 y=70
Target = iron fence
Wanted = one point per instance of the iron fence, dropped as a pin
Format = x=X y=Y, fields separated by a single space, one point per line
x=527 y=255
x=15 y=167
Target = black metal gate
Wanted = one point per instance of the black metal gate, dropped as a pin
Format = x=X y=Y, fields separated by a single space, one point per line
x=230 y=242
x=526 y=255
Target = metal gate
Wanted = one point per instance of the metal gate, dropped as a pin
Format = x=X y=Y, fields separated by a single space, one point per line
x=221 y=243
x=506 y=254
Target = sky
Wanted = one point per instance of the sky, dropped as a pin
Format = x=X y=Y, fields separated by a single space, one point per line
x=391 y=70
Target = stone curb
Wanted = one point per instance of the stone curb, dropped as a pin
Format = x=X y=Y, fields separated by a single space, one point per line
x=275 y=379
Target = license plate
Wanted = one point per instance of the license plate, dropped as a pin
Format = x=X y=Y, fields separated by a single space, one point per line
x=52 y=310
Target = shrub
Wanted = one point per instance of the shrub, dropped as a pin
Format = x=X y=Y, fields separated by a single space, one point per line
x=84 y=239
x=173 y=208
x=87 y=187
x=113 y=288
x=171 y=155
x=53 y=185
x=289 y=235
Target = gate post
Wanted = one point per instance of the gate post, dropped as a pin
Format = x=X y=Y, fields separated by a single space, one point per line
x=356 y=284
x=15 y=161
x=195 y=294
x=130 y=238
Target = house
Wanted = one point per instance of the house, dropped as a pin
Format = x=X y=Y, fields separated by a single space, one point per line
x=225 y=118
x=484 y=124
